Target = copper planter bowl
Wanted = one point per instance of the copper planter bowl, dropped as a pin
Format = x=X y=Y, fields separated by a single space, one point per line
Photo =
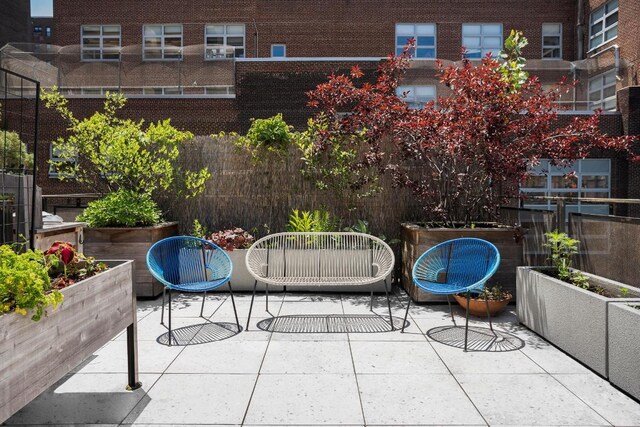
x=478 y=307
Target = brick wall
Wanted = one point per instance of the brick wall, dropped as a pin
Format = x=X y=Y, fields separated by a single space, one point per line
x=324 y=28
x=14 y=21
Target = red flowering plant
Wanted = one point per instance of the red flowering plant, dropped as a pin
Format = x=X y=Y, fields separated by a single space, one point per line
x=66 y=266
x=233 y=238
x=462 y=155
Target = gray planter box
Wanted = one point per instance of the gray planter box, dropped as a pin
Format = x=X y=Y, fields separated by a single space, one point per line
x=35 y=355
x=624 y=347
x=570 y=317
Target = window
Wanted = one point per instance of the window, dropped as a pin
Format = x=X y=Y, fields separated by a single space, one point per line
x=100 y=42
x=424 y=36
x=162 y=42
x=220 y=90
x=37 y=29
x=224 y=41
x=481 y=39
x=603 y=24
x=47 y=31
x=61 y=165
x=278 y=50
x=551 y=41
x=585 y=178
x=602 y=91
x=417 y=96
x=166 y=90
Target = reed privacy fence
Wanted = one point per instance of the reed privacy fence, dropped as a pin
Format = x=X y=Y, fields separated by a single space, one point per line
x=319 y=259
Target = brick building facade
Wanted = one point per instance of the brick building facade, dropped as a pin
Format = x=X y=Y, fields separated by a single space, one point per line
x=165 y=55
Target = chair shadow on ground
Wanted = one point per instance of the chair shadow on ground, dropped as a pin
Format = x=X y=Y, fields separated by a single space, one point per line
x=481 y=339
x=200 y=333
x=330 y=323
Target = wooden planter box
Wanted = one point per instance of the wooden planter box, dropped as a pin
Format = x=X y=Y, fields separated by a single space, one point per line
x=130 y=243
x=572 y=318
x=35 y=355
x=417 y=239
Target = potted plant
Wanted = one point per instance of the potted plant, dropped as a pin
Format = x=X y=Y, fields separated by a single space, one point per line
x=70 y=305
x=461 y=155
x=569 y=307
x=135 y=166
x=494 y=297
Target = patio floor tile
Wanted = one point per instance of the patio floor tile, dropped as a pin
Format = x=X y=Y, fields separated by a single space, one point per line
x=223 y=357
x=526 y=399
x=425 y=399
x=84 y=399
x=308 y=357
x=603 y=398
x=478 y=362
x=112 y=358
x=396 y=358
x=195 y=399
x=305 y=399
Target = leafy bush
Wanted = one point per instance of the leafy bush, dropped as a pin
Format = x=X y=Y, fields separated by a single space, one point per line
x=311 y=222
x=199 y=230
x=13 y=154
x=125 y=153
x=233 y=238
x=24 y=283
x=563 y=248
x=267 y=137
x=66 y=266
x=122 y=208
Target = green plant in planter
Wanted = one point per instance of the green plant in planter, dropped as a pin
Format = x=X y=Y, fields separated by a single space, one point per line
x=563 y=248
x=122 y=208
x=311 y=222
x=14 y=155
x=25 y=284
x=115 y=153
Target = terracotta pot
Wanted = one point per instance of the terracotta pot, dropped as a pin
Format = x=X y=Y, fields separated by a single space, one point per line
x=478 y=307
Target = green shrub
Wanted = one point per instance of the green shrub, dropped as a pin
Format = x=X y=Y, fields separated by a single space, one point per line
x=13 y=152
x=267 y=137
x=122 y=208
x=25 y=284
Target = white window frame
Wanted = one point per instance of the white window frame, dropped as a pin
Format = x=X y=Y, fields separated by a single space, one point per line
x=284 y=46
x=579 y=167
x=483 y=50
x=598 y=84
x=413 y=99
x=102 y=38
x=552 y=46
x=224 y=48
x=162 y=47
x=603 y=31
x=228 y=90
x=415 y=34
x=57 y=159
x=164 y=91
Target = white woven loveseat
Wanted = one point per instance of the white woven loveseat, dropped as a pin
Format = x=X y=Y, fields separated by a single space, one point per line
x=319 y=259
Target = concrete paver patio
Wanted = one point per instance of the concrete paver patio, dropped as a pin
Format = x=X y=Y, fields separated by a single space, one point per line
x=272 y=378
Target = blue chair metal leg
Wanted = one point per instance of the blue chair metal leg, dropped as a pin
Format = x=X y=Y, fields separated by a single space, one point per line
x=164 y=291
x=233 y=302
x=406 y=313
x=204 y=295
x=170 y=317
x=466 y=327
x=371 y=302
x=453 y=319
x=386 y=291
x=255 y=285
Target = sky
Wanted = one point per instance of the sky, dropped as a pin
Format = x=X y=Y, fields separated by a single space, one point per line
x=41 y=7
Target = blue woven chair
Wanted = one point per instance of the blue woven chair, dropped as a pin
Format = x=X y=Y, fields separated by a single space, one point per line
x=455 y=267
x=189 y=264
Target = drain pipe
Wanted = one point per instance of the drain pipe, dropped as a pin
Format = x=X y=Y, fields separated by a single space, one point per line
x=580 y=31
x=255 y=35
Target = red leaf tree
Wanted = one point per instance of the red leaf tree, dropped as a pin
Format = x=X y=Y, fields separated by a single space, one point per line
x=461 y=155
